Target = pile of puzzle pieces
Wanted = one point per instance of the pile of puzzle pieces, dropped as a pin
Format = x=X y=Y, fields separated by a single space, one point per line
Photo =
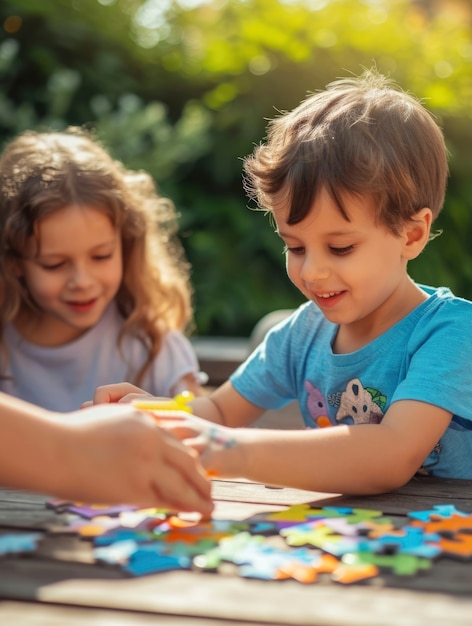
x=347 y=545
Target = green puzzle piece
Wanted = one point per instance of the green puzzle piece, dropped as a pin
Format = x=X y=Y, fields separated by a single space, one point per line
x=400 y=564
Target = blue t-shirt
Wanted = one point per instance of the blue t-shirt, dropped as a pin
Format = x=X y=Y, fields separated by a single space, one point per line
x=426 y=356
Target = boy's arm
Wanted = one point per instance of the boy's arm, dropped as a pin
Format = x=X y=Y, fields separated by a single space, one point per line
x=361 y=459
x=227 y=407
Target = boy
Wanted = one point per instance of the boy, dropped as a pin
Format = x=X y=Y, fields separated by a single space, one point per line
x=354 y=178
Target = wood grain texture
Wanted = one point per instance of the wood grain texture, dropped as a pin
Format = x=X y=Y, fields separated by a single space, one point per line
x=58 y=585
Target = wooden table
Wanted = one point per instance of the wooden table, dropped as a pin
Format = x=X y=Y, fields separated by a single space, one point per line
x=40 y=590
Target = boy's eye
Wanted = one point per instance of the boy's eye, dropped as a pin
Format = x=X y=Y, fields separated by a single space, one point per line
x=342 y=251
x=102 y=257
x=294 y=250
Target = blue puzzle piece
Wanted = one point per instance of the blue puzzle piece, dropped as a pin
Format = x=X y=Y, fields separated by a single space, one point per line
x=16 y=543
x=408 y=541
x=269 y=563
x=121 y=534
x=340 y=510
x=149 y=559
x=265 y=528
x=438 y=510
x=118 y=552
x=264 y=565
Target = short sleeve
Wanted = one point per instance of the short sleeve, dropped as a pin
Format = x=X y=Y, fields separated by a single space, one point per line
x=268 y=377
x=176 y=359
x=440 y=360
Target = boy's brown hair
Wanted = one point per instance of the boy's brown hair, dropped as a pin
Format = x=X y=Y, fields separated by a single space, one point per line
x=362 y=136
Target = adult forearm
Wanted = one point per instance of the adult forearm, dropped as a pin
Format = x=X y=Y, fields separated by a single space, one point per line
x=29 y=443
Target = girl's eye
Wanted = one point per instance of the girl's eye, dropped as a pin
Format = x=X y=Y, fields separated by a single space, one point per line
x=342 y=251
x=54 y=266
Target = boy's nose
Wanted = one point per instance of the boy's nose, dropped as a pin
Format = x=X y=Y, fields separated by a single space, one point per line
x=314 y=270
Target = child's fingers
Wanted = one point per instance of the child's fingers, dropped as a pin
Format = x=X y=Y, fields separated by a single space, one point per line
x=117 y=392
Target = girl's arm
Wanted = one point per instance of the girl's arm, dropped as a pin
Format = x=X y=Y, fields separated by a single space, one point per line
x=361 y=459
x=224 y=406
x=109 y=453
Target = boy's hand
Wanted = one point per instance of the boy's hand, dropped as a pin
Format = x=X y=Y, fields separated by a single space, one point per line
x=219 y=448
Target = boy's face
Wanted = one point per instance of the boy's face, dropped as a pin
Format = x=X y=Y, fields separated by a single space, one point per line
x=355 y=271
x=74 y=274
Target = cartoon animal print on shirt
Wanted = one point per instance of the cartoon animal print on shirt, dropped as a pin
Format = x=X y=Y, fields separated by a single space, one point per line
x=316 y=406
x=362 y=405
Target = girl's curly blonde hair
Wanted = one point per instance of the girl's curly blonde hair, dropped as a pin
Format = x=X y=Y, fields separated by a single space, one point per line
x=43 y=172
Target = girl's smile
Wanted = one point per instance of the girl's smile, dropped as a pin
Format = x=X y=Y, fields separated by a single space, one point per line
x=83 y=307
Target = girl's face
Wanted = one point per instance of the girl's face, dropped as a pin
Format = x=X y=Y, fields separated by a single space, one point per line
x=72 y=275
x=355 y=271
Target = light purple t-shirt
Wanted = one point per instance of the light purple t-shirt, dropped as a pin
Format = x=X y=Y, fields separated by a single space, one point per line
x=62 y=378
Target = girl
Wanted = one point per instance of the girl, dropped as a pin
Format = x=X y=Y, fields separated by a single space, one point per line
x=93 y=285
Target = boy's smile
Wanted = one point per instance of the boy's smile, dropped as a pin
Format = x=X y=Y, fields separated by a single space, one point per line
x=355 y=271
x=72 y=275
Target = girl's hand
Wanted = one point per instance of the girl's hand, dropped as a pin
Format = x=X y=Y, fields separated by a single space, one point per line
x=116 y=454
x=116 y=392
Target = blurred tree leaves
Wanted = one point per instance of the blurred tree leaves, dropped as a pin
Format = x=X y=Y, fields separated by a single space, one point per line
x=184 y=90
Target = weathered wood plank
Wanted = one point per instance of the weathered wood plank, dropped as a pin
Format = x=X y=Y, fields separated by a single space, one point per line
x=420 y=493
x=60 y=572
x=27 y=511
x=35 y=614
x=219 y=597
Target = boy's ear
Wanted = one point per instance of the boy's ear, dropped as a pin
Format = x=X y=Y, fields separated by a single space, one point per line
x=417 y=232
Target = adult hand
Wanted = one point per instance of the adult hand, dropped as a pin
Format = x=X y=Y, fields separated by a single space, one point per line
x=114 y=453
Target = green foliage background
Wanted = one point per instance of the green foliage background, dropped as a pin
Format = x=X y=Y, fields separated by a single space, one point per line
x=184 y=90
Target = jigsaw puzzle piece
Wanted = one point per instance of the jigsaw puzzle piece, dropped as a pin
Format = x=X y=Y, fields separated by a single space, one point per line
x=400 y=564
x=149 y=559
x=18 y=543
x=459 y=546
x=314 y=533
x=439 y=511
